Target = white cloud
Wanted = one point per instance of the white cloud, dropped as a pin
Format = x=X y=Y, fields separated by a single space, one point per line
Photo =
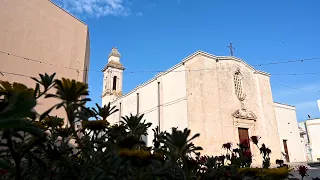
x=139 y=14
x=94 y=8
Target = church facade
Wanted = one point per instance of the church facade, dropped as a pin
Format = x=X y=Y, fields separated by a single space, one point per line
x=221 y=97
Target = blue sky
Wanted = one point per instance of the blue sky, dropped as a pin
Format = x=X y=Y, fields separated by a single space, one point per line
x=157 y=34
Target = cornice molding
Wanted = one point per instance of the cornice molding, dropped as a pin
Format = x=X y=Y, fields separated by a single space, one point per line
x=113 y=64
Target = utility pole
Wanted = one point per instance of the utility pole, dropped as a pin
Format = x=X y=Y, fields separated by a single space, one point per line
x=231 y=49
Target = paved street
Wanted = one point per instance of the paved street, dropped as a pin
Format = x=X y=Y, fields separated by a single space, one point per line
x=313 y=173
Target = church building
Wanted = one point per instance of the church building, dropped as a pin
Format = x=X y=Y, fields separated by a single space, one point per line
x=221 y=97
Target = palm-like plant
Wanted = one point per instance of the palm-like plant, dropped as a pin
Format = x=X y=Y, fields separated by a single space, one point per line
x=179 y=144
x=16 y=111
x=16 y=100
x=71 y=94
x=47 y=82
x=115 y=132
x=135 y=125
x=70 y=91
x=104 y=111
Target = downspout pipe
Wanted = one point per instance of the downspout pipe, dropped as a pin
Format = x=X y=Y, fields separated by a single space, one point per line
x=159 y=120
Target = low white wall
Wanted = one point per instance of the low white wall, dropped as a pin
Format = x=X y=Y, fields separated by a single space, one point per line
x=313 y=129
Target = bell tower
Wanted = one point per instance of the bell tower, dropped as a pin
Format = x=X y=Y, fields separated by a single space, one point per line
x=112 y=78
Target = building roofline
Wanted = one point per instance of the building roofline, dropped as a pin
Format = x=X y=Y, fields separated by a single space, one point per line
x=312 y=119
x=284 y=104
x=311 y=122
x=67 y=12
x=228 y=58
x=197 y=53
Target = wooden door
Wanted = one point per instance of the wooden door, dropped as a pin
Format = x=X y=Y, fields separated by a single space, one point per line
x=243 y=136
x=286 y=150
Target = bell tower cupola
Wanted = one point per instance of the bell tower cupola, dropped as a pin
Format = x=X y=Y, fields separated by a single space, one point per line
x=112 y=78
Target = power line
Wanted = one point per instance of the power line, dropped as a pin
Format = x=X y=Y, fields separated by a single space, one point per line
x=165 y=105
x=41 y=62
x=290 y=61
x=161 y=71
x=296 y=74
x=277 y=82
x=273 y=74
x=16 y=74
x=272 y=63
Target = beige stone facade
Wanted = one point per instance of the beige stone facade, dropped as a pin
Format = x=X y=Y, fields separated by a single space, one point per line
x=213 y=101
x=36 y=36
x=212 y=95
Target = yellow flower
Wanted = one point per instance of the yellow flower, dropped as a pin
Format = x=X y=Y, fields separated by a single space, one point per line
x=282 y=172
x=248 y=170
x=39 y=124
x=271 y=173
x=49 y=122
x=95 y=125
x=75 y=157
x=159 y=155
x=8 y=88
x=64 y=132
x=52 y=121
x=141 y=154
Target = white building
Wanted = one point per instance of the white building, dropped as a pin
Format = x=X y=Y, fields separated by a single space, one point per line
x=289 y=133
x=311 y=138
x=221 y=97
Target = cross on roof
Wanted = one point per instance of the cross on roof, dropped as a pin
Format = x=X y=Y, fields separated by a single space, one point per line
x=231 y=49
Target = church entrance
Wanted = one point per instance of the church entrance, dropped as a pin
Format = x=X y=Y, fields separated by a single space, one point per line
x=243 y=135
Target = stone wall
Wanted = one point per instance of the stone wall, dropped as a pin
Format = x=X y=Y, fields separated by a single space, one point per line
x=56 y=42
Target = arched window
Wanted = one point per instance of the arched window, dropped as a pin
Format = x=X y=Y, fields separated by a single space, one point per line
x=238 y=85
x=114 y=82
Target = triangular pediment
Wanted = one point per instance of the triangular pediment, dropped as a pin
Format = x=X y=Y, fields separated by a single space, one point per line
x=244 y=114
